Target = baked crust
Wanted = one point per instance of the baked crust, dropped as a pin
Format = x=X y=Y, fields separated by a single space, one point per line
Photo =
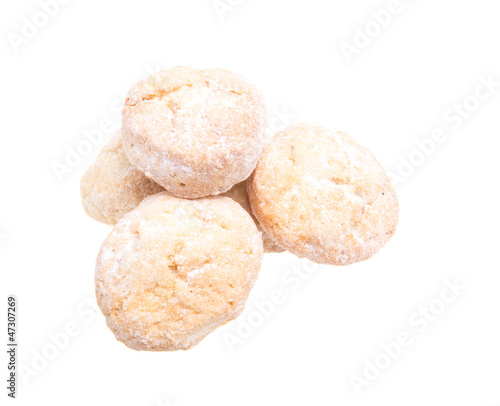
x=173 y=270
x=321 y=195
x=239 y=194
x=195 y=132
x=112 y=186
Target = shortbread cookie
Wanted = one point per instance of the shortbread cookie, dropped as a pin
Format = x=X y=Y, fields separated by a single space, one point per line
x=321 y=195
x=239 y=194
x=173 y=270
x=195 y=132
x=112 y=187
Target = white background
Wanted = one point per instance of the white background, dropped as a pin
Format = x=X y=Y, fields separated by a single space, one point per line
x=69 y=78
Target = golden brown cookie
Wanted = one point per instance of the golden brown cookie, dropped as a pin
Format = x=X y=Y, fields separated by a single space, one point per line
x=239 y=194
x=173 y=270
x=112 y=187
x=321 y=195
x=195 y=132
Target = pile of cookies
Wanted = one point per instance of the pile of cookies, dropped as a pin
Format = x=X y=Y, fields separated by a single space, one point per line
x=196 y=198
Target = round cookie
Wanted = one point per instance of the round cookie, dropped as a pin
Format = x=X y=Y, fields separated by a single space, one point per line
x=195 y=132
x=321 y=195
x=239 y=194
x=173 y=270
x=112 y=187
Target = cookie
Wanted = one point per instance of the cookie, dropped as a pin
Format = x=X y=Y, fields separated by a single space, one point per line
x=195 y=132
x=239 y=194
x=173 y=270
x=112 y=187
x=321 y=195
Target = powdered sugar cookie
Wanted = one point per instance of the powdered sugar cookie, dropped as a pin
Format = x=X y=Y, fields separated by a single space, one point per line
x=173 y=270
x=239 y=194
x=195 y=132
x=321 y=195
x=112 y=187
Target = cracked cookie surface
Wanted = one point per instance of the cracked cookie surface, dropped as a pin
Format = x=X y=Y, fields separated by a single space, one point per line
x=195 y=132
x=321 y=195
x=173 y=270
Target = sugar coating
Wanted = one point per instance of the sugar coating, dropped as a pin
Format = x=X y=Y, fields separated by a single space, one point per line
x=112 y=186
x=195 y=132
x=173 y=270
x=321 y=195
x=239 y=194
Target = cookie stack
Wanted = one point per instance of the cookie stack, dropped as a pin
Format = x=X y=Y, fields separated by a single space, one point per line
x=196 y=199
